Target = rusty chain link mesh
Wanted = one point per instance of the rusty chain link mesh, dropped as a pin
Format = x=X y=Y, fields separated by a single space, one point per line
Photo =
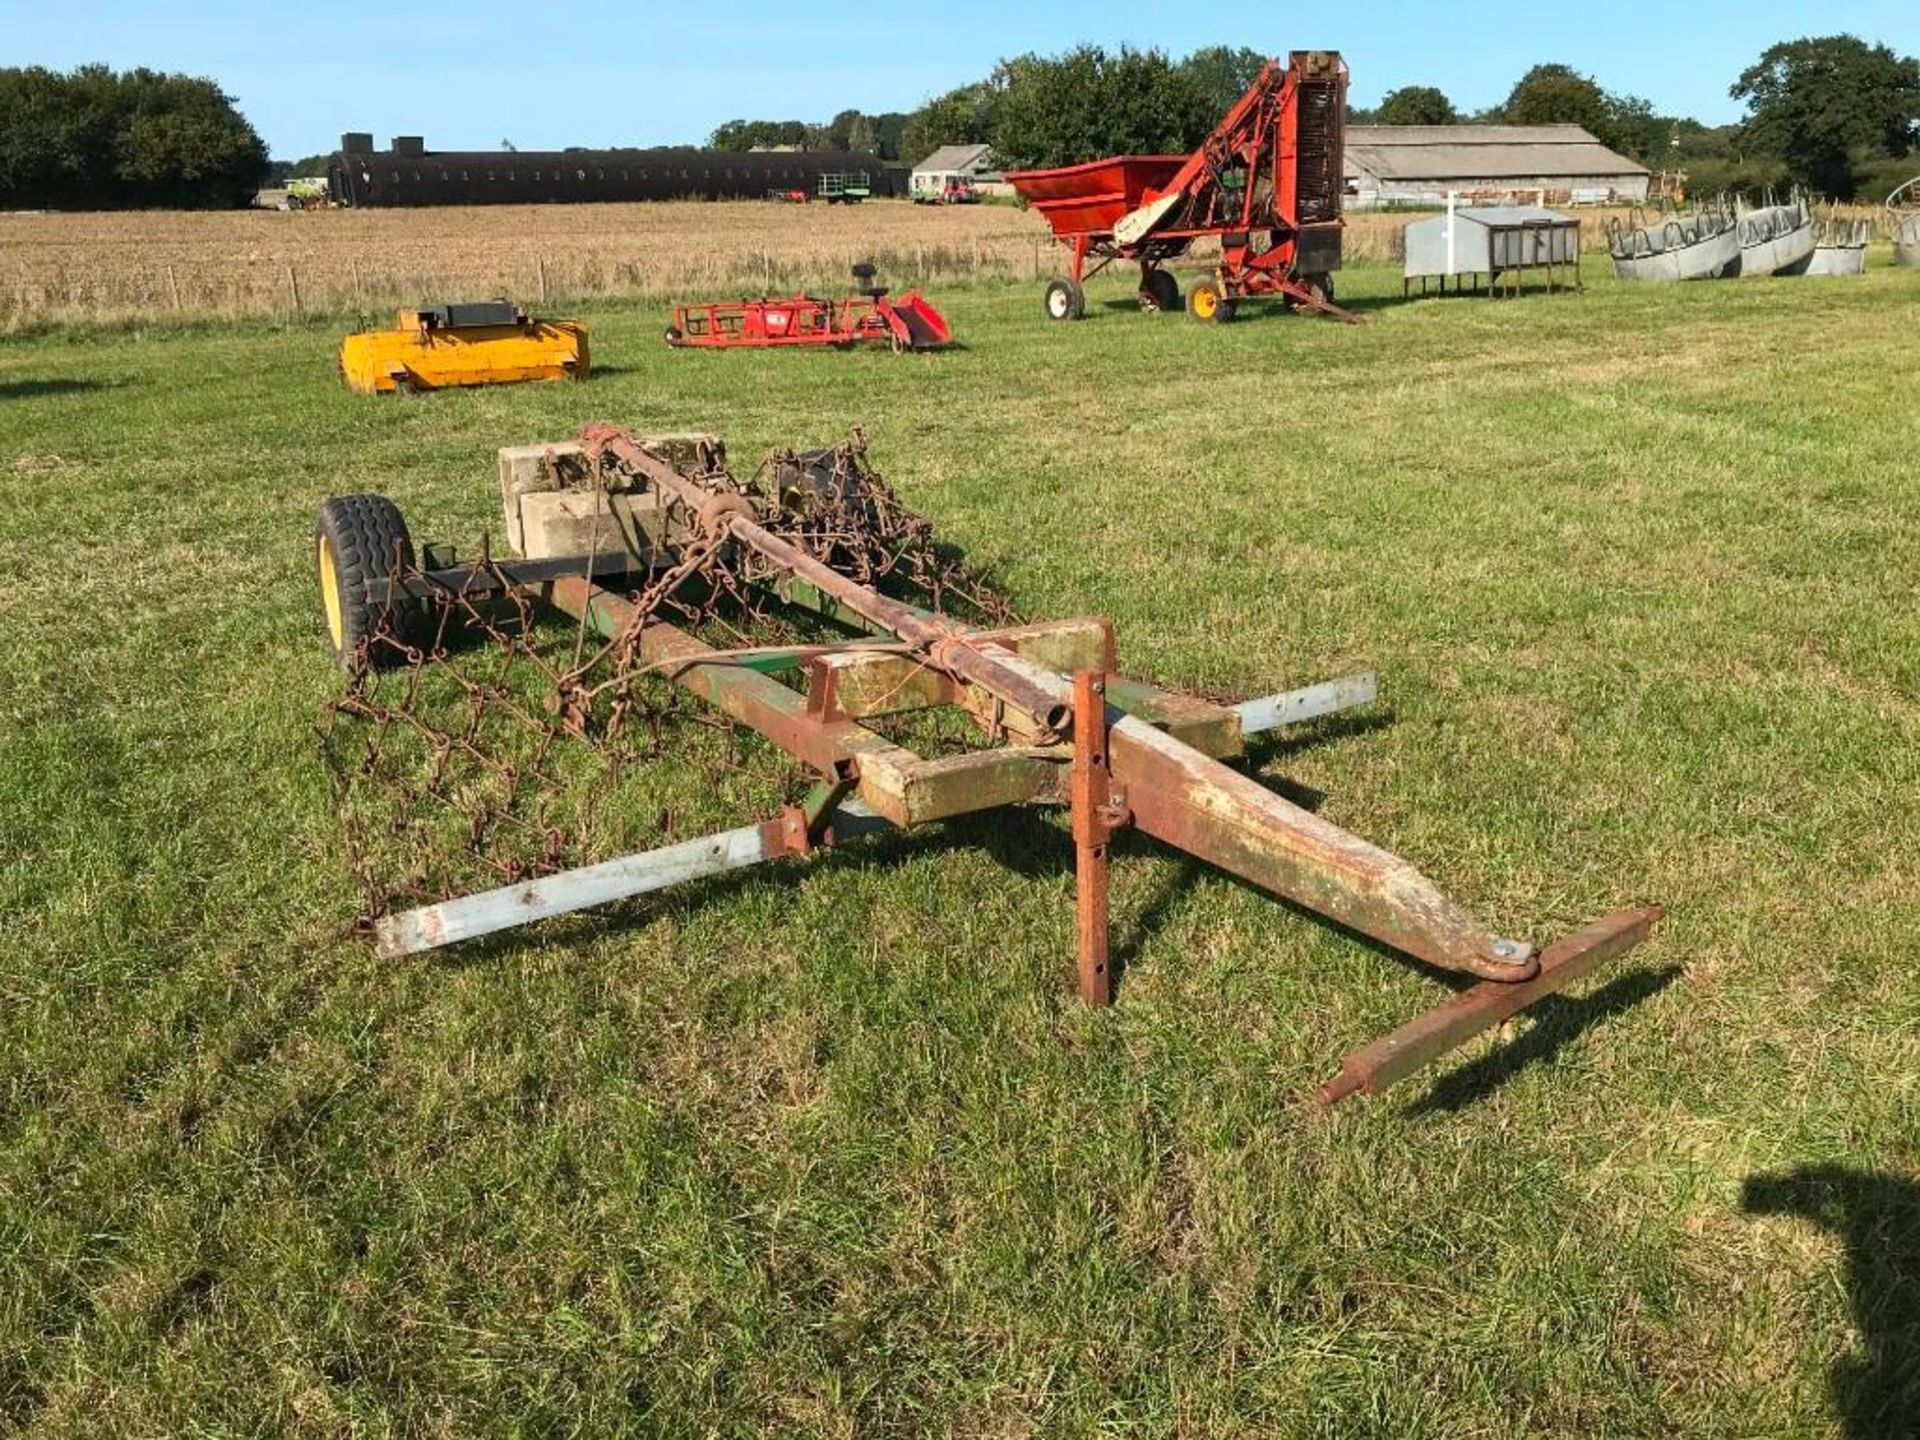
x=484 y=742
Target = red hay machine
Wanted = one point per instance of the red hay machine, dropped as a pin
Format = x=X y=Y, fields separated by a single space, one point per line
x=909 y=323
x=1267 y=184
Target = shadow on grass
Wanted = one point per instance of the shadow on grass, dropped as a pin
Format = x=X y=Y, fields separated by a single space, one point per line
x=1038 y=850
x=39 y=389
x=1557 y=1020
x=1270 y=746
x=1253 y=311
x=1875 y=1392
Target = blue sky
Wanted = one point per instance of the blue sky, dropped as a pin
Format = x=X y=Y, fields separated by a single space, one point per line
x=590 y=72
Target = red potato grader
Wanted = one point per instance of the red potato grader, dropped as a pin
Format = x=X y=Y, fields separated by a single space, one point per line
x=867 y=315
x=648 y=545
x=1267 y=184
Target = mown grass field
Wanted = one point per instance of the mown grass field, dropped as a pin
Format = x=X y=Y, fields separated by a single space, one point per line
x=833 y=1150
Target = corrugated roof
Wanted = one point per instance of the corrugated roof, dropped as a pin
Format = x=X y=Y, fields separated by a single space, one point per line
x=954 y=157
x=1468 y=134
x=1481 y=152
x=1507 y=215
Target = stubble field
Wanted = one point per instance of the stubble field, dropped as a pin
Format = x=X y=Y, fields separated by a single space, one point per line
x=173 y=266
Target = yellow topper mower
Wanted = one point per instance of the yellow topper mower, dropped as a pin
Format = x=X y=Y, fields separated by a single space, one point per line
x=488 y=342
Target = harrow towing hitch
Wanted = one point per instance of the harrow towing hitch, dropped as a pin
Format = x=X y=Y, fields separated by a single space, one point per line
x=1063 y=728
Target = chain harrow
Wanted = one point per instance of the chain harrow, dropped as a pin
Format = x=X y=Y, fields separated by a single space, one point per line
x=479 y=743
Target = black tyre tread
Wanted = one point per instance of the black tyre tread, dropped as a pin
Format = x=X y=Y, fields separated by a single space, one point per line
x=366 y=533
x=1164 y=290
x=1076 y=298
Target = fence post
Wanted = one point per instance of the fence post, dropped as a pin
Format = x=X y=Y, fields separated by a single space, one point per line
x=173 y=287
x=540 y=265
x=293 y=288
x=355 y=263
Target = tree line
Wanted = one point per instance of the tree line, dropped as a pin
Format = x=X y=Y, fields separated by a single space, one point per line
x=99 y=139
x=880 y=135
x=1834 y=113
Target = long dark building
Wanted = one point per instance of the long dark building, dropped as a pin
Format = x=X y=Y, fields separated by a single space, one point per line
x=411 y=174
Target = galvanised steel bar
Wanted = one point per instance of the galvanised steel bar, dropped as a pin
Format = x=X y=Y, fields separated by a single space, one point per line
x=1309 y=702
x=1420 y=1042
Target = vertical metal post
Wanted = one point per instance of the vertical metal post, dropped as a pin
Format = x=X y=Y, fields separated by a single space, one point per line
x=1092 y=798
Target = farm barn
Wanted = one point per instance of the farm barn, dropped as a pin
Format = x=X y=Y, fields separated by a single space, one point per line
x=1388 y=164
x=972 y=163
x=410 y=174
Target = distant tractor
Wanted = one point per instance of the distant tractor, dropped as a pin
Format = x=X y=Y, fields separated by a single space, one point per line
x=306 y=193
x=948 y=190
x=848 y=188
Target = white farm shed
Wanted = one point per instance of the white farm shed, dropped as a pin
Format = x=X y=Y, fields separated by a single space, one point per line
x=955 y=162
x=1423 y=164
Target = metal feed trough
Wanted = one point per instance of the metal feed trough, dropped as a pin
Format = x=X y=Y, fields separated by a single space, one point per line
x=1776 y=239
x=1055 y=722
x=1840 y=247
x=1700 y=243
x=1903 y=217
x=1499 y=242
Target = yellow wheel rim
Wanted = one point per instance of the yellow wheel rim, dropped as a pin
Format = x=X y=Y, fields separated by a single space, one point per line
x=1205 y=302
x=330 y=595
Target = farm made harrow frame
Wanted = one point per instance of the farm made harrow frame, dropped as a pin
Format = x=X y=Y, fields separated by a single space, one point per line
x=1055 y=722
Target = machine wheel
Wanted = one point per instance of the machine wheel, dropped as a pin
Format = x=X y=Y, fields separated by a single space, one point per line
x=1159 y=291
x=361 y=538
x=1065 y=300
x=1206 y=303
x=673 y=334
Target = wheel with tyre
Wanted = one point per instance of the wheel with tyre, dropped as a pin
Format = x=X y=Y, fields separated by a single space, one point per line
x=1065 y=300
x=1206 y=303
x=361 y=538
x=1159 y=292
x=673 y=335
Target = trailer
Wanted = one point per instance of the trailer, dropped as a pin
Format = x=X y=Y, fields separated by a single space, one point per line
x=847 y=187
x=908 y=323
x=1267 y=184
x=643 y=541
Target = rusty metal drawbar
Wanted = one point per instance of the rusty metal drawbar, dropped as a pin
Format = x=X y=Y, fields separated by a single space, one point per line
x=1063 y=728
